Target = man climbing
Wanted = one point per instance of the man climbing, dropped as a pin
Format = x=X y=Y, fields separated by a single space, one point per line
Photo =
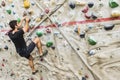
x=16 y=35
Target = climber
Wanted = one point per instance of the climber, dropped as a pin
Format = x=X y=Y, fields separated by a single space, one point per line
x=16 y=35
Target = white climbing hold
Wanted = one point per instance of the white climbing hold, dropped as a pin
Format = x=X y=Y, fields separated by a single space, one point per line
x=91 y=52
x=80 y=3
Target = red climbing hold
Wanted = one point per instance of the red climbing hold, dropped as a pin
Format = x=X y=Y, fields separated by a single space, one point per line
x=3 y=3
x=85 y=10
x=87 y=16
x=31 y=79
x=48 y=31
x=47 y=10
x=3 y=65
x=41 y=59
x=86 y=76
x=41 y=78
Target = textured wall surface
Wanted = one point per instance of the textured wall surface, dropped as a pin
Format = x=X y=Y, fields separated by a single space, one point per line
x=73 y=58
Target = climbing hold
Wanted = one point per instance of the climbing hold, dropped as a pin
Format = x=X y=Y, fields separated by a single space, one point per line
x=86 y=76
x=82 y=35
x=3 y=60
x=25 y=13
x=8 y=11
x=90 y=26
x=39 y=34
x=31 y=78
x=91 y=52
x=30 y=12
x=38 y=20
x=92 y=41
x=3 y=65
x=41 y=78
x=41 y=15
x=83 y=78
x=85 y=10
x=72 y=5
x=115 y=13
x=53 y=47
x=45 y=52
x=80 y=72
x=18 y=20
x=12 y=5
x=109 y=26
x=1 y=25
x=12 y=74
x=48 y=30
x=10 y=1
x=6 y=47
x=49 y=44
x=41 y=59
x=76 y=30
x=14 y=12
x=3 y=3
x=47 y=10
x=56 y=33
x=113 y=3
x=87 y=15
x=26 y=4
x=0 y=69
x=94 y=16
x=32 y=3
x=90 y=4
x=78 y=49
x=80 y=3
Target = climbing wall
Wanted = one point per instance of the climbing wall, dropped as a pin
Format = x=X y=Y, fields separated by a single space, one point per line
x=82 y=39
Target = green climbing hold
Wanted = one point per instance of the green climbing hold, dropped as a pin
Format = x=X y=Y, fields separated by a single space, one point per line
x=18 y=20
x=49 y=44
x=113 y=3
x=39 y=34
x=92 y=41
x=8 y=11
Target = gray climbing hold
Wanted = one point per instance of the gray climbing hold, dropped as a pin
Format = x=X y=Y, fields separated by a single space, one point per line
x=82 y=35
x=78 y=49
x=53 y=47
x=72 y=5
x=109 y=26
x=6 y=47
x=90 y=4
x=83 y=78
x=94 y=16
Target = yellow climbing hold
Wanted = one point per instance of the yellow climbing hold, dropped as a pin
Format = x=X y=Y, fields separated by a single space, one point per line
x=79 y=30
x=10 y=1
x=52 y=2
x=26 y=3
x=115 y=13
x=80 y=72
x=38 y=19
x=80 y=3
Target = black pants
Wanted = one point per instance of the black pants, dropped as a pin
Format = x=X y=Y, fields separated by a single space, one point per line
x=25 y=52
